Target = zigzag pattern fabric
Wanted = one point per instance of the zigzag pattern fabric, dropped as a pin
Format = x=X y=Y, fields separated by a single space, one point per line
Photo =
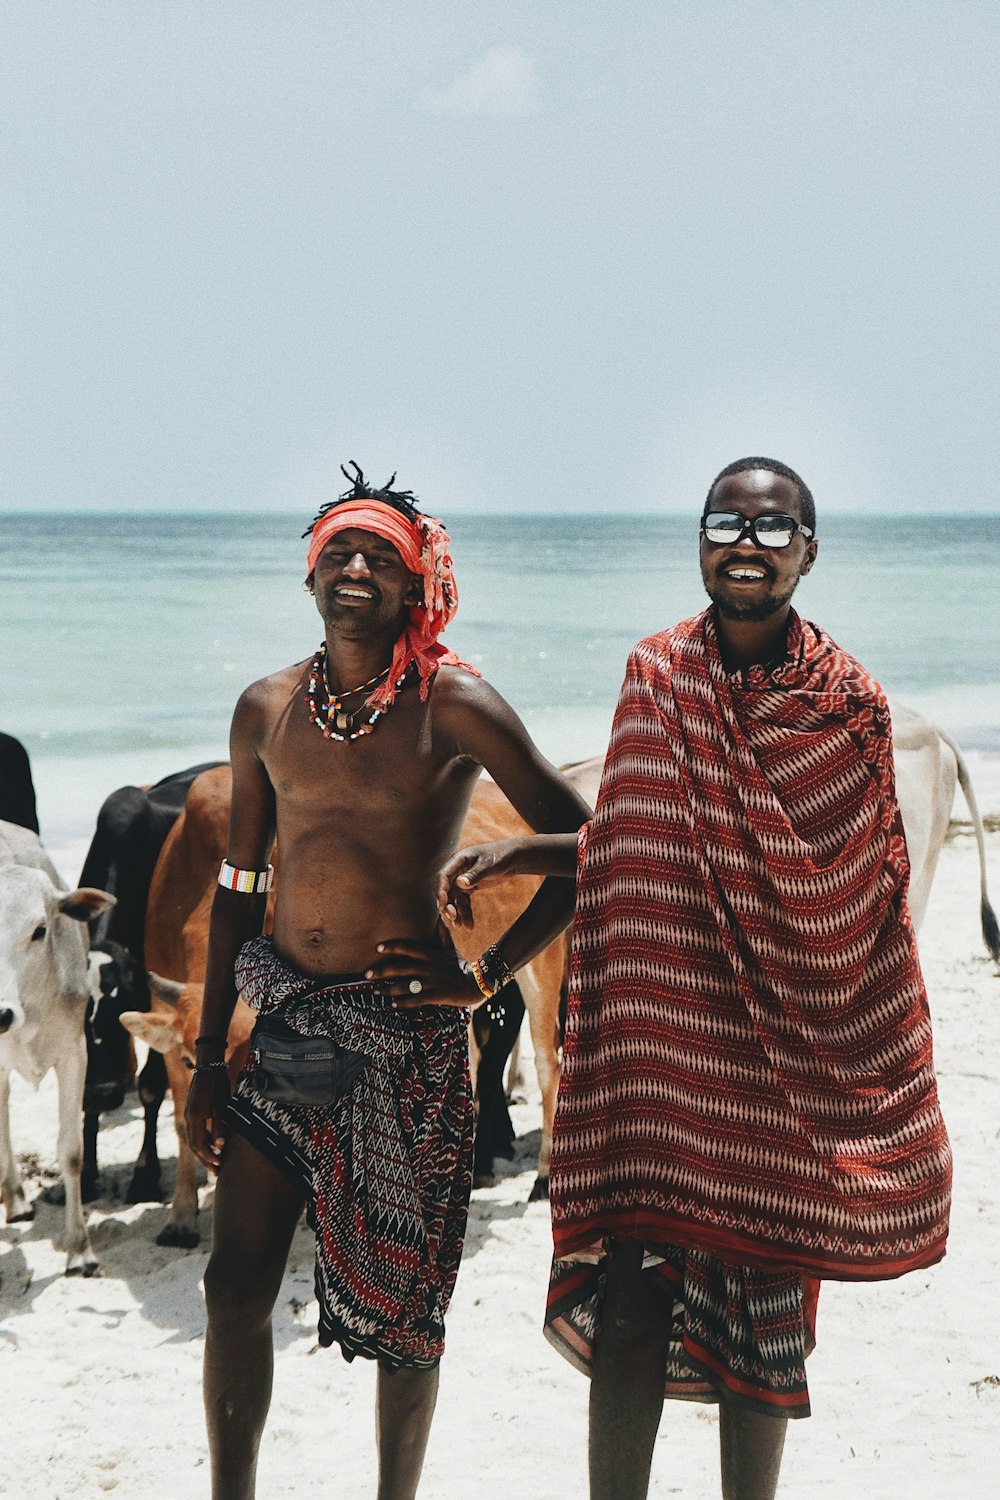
x=386 y=1172
x=734 y=1331
x=748 y=1067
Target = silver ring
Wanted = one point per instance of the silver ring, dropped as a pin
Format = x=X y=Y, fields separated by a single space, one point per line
x=415 y=987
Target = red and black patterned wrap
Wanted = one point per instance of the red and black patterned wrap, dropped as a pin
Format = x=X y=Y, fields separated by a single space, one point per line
x=386 y=1172
x=748 y=1066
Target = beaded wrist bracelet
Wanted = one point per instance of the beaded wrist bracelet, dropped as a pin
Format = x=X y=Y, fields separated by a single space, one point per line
x=208 y=1067
x=247 y=882
x=490 y=971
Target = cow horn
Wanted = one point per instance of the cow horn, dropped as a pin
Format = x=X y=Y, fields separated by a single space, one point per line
x=167 y=990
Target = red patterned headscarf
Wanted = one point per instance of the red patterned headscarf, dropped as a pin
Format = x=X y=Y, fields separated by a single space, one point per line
x=423 y=545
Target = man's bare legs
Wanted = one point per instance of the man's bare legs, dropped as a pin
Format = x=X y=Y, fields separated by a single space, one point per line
x=629 y=1370
x=626 y=1397
x=750 y=1447
x=256 y=1211
x=404 y=1408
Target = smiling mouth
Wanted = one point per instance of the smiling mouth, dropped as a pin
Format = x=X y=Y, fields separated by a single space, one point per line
x=365 y=595
x=745 y=575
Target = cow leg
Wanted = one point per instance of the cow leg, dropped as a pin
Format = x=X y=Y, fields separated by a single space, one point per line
x=495 y=1033
x=90 y=1182
x=515 y=1074
x=145 y=1186
x=11 y=1192
x=71 y=1070
x=542 y=1004
x=182 y=1227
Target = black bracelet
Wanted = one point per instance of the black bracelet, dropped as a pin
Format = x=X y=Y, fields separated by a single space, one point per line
x=209 y=1067
x=219 y=1041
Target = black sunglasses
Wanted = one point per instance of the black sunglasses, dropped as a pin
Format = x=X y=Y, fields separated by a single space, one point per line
x=727 y=528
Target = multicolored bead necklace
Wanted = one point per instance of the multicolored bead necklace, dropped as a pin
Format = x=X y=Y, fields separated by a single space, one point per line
x=330 y=717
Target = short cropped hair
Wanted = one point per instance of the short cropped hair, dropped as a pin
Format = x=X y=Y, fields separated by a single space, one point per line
x=774 y=466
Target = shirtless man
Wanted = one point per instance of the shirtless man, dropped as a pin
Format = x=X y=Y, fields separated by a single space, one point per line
x=362 y=763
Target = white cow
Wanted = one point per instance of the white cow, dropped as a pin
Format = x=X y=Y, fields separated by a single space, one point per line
x=928 y=766
x=43 y=999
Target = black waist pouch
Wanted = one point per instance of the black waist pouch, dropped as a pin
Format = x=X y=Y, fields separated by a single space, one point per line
x=296 y=1069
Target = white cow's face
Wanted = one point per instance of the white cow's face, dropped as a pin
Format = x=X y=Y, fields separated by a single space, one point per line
x=43 y=952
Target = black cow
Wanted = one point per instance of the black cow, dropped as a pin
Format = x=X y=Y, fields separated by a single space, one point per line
x=17 y=790
x=132 y=826
x=114 y=979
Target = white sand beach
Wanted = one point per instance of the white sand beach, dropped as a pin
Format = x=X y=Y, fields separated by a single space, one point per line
x=101 y=1376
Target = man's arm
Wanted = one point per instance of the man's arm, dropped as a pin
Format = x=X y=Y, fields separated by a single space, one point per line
x=552 y=854
x=235 y=918
x=484 y=728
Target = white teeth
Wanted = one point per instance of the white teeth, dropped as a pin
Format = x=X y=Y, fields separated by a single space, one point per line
x=354 y=593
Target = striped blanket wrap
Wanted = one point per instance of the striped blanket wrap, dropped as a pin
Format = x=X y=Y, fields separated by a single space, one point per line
x=386 y=1172
x=748 y=1067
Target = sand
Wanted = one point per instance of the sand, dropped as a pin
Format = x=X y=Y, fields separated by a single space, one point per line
x=101 y=1376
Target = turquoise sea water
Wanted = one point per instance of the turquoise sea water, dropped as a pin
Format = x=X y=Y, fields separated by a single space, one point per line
x=126 y=639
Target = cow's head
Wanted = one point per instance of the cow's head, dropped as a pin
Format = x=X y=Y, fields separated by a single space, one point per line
x=43 y=942
x=173 y=1018
x=116 y=984
x=175 y=1021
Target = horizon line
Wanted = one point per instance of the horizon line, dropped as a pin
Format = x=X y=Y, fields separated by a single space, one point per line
x=260 y=510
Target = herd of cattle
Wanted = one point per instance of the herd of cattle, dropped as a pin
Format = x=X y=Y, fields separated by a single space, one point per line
x=85 y=972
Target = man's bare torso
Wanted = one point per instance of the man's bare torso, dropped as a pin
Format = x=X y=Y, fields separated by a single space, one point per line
x=363 y=825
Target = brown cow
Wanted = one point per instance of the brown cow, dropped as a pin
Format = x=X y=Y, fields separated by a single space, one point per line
x=176 y=944
x=542 y=981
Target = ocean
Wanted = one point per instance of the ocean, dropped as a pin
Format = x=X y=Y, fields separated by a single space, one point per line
x=127 y=638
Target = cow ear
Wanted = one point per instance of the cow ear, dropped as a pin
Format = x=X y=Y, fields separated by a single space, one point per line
x=85 y=903
x=167 y=990
x=156 y=1031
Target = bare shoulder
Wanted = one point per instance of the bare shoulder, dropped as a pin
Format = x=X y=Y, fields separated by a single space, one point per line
x=260 y=703
x=465 y=704
x=482 y=727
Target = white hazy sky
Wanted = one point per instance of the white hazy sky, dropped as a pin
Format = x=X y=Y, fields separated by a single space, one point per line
x=559 y=255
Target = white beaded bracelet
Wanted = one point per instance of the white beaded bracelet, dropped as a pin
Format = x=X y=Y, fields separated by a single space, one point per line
x=248 y=882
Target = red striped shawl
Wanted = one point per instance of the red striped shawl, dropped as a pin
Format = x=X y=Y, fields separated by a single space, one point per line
x=748 y=1066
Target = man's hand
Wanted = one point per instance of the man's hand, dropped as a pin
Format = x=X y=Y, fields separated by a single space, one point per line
x=206 y=1105
x=471 y=868
x=416 y=974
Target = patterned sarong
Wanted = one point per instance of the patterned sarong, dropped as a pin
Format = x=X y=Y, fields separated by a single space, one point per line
x=748 y=1068
x=386 y=1172
x=733 y=1330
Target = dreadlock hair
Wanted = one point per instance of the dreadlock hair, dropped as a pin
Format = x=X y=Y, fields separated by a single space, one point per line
x=774 y=466
x=402 y=500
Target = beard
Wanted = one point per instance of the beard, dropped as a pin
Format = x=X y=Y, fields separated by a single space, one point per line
x=735 y=608
x=354 y=624
x=763 y=609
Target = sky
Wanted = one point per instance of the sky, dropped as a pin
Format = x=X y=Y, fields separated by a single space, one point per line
x=534 y=256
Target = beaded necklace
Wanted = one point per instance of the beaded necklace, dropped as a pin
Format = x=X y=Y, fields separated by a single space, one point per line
x=331 y=716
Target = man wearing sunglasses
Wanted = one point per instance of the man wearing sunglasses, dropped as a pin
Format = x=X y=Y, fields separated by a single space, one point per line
x=747 y=1103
